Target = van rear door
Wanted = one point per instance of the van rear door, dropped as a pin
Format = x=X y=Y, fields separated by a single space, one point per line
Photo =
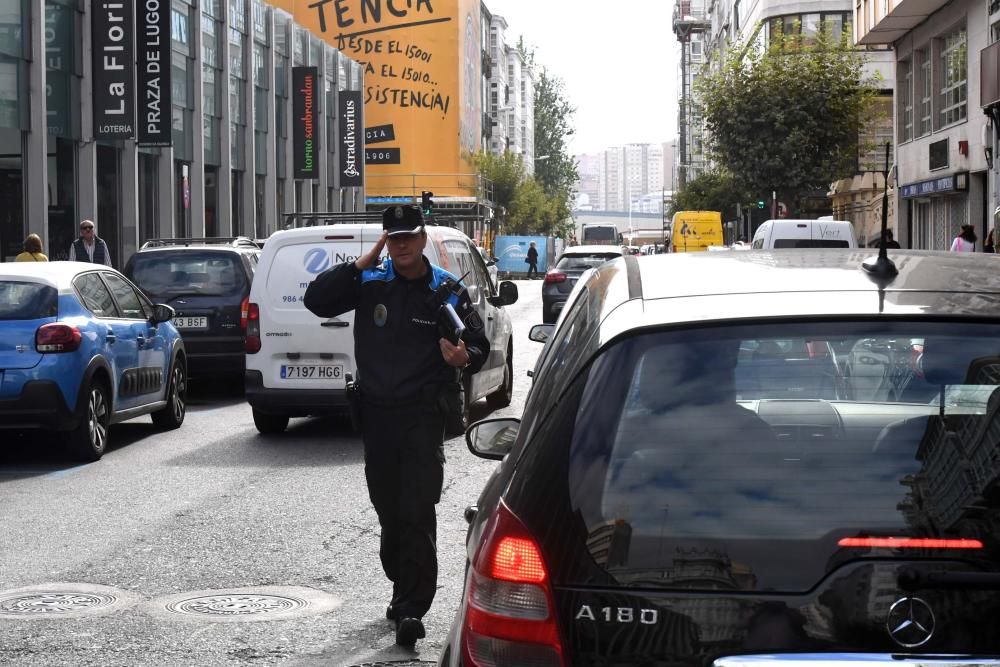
x=300 y=350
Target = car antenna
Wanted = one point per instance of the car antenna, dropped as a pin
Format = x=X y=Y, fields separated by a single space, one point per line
x=880 y=268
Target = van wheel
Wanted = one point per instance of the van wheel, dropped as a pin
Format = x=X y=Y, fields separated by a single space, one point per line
x=172 y=415
x=267 y=423
x=89 y=439
x=501 y=397
x=455 y=424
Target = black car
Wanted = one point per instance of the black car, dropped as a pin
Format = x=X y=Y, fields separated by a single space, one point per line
x=207 y=281
x=572 y=264
x=665 y=500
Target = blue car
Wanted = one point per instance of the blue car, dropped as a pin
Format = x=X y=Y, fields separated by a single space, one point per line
x=81 y=348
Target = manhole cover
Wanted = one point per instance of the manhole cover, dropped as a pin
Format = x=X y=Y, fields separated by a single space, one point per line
x=66 y=600
x=246 y=604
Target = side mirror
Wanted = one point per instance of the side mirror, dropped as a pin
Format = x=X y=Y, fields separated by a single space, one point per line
x=491 y=262
x=540 y=333
x=506 y=294
x=492 y=438
x=163 y=313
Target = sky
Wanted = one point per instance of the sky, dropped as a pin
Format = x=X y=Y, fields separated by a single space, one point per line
x=618 y=61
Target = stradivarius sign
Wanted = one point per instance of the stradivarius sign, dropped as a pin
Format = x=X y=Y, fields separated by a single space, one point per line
x=352 y=141
x=112 y=29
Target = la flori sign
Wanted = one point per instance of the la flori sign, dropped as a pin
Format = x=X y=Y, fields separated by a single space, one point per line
x=113 y=57
x=305 y=132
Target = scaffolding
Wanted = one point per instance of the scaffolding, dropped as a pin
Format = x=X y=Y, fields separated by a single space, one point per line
x=690 y=18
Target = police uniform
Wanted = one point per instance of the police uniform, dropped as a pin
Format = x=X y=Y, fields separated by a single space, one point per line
x=403 y=377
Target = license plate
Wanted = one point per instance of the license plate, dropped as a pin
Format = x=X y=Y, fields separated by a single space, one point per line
x=312 y=372
x=191 y=322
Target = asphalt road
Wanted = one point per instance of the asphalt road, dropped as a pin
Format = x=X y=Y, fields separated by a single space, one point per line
x=214 y=545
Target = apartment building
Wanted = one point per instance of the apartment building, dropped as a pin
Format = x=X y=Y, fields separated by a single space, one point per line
x=511 y=98
x=945 y=140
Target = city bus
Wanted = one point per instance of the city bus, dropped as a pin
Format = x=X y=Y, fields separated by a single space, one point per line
x=600 y=233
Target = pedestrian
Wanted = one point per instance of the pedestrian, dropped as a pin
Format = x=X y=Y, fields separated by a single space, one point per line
x=32 y=250
x=532 y=260
x=890 y=242
x=965 y=241
x=89 y=247
x=405 y=368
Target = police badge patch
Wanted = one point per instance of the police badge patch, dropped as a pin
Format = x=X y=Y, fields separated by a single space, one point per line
x=381 y=315
x=473 y=321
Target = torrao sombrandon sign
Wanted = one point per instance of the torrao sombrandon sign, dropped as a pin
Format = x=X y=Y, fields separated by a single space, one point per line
x=304 y=132
x=422 y=67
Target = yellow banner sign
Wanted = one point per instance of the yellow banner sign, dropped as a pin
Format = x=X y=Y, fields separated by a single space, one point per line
x=422 y=88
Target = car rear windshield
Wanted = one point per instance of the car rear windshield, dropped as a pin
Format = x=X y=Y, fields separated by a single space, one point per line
x=582 y=262
x=194 y=273
x=22 y=300
x=810 y=243
x=762 y=448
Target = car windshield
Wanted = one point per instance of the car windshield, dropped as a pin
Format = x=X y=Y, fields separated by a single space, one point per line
x=194 y=273
x=22 y=300
x=581 y=262
x=769 y=444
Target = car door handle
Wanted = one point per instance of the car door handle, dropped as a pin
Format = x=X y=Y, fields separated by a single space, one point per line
x=111 y=338
x=335 y=323
x=140 y=341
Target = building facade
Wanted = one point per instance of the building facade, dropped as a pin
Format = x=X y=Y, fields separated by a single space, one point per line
x=220 y=88
x=942 y=165
x=511 y=100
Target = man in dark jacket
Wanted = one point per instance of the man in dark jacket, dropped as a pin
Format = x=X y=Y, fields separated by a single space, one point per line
x=532 y=260
x=89 y=247
x=404 y=368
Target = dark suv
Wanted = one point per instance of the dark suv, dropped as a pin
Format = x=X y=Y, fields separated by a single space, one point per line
x=207 y=281
x=697 y=479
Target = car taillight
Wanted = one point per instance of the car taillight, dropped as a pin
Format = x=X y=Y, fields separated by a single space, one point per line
x=244 y=307
x=510 y=610
x=910 y=543
x=57 y=338
x=555 y=277
x=253 y=328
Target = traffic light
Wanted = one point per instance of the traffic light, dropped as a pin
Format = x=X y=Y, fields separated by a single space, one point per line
x=760 y=203
x=427 y=203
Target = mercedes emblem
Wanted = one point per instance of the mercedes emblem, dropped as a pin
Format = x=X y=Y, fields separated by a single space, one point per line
x=910 y=622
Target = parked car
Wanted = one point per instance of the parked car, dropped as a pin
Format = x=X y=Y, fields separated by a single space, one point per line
x=81 y=348
x=491 y=265
x=207 y=281
x=560 y=279
x=649 y=509
x=788 y=233
x=297 y=363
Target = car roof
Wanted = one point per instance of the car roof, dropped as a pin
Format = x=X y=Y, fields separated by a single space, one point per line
x=306 y=234
x=591 y=249
x=656 y=290
x=57 y=273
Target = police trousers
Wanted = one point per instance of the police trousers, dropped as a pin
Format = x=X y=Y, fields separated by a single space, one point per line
x=404 y=468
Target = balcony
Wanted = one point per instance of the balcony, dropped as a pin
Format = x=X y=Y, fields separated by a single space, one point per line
x=893 y=19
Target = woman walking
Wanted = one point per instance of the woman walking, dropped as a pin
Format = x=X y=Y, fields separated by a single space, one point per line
x=32 y=250
x=965 y=241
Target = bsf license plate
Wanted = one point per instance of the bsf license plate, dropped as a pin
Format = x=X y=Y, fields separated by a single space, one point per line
x=312 y=372
x=191 y=322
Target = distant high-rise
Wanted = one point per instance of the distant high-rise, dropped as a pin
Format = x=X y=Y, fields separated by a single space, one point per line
x=634 y=174
x=510 y=106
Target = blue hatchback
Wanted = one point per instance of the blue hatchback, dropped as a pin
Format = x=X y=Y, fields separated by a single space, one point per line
x=81 y=349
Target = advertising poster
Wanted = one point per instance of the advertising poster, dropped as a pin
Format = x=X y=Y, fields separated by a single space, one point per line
x=352 y=146
x=112 y=31
x=511 y=251
x=305 y=155
x=153 y=72
x=422 y=64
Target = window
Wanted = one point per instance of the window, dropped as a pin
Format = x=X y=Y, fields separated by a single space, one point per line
x=128 y=300
x=923 y=91
x=95 y=295
x=905 y=100
x=27 y=301
x=953 y=96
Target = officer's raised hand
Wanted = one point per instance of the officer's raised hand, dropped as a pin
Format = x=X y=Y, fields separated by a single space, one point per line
x=454 y=355
x=370 y=258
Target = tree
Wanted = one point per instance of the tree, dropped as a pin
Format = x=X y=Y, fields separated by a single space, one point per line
x=788 y=117
x=522 y=205
x=711 y=191
x=553 y=127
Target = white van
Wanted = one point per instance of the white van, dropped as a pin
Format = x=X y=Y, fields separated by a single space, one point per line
x=804 y=234
x=297 y=363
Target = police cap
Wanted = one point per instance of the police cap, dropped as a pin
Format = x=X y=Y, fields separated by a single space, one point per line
x=402 y=220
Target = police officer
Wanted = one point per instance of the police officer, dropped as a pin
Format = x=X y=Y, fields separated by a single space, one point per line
x=404 y=366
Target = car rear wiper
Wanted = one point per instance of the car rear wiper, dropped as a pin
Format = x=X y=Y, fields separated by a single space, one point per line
x=911 y=580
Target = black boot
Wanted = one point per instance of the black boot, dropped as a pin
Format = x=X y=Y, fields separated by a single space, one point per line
x=409 y=630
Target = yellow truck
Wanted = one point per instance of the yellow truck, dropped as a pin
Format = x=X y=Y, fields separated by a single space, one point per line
x=694 y=231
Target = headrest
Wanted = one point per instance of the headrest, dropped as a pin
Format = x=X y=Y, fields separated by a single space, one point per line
x=950 y=360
